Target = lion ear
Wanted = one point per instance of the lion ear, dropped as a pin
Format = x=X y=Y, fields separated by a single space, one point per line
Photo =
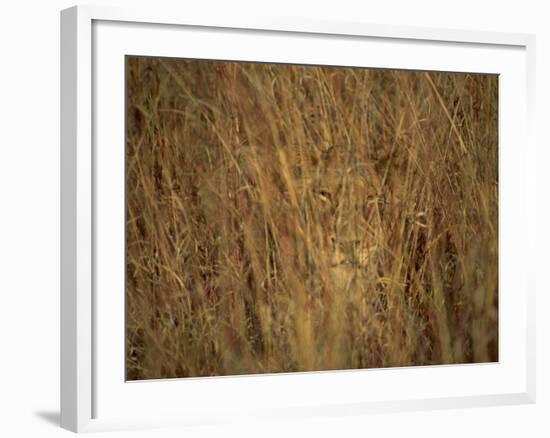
x=328 y=154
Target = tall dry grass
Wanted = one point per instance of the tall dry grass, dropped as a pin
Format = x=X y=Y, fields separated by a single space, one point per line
x=297 y=218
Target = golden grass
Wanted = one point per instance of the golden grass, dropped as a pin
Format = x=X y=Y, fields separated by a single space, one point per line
x=296 y=218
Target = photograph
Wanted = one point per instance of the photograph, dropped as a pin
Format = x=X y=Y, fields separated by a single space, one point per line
x=257 y=220
x=285 y=218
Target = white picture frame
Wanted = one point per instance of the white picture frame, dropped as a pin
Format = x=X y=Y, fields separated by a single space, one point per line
x=92 y=386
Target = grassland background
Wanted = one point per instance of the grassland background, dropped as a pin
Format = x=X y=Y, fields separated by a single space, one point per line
x=291 y=218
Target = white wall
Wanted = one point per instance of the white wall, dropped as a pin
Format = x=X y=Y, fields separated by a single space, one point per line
x=29 y=218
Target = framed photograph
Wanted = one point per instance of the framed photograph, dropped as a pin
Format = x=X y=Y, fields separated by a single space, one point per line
x=270 y=218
